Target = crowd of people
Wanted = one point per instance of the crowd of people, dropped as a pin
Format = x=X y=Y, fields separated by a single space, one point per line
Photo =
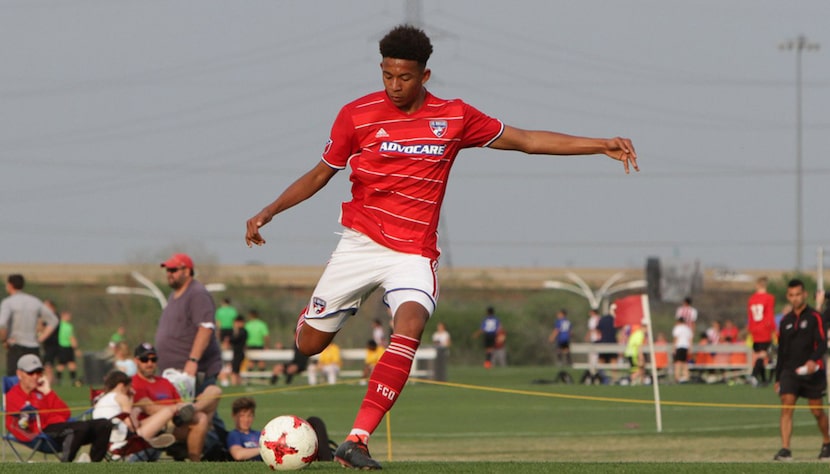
x=160 y=396
x=184 y=421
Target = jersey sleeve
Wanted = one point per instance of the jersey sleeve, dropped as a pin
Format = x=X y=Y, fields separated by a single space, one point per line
x=479 y=129
x=342 y=143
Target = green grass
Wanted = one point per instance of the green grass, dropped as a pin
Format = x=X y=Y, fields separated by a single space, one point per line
x=498 y=420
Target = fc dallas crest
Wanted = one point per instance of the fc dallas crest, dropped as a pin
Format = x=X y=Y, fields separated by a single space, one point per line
x=319 y=305
x=438 y=127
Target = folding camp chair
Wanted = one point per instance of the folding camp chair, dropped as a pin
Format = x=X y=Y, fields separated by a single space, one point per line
x=39 y=443
x=134 y=445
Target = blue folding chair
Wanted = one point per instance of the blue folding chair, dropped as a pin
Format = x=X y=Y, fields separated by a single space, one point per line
x=41 y=443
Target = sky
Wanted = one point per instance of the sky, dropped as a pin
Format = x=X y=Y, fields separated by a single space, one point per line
x=129 y=129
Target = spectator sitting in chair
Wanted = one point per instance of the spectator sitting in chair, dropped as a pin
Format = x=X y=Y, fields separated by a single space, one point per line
x=48 y=414
x=154 y=393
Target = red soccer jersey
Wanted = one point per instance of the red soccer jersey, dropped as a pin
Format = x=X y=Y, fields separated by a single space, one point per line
x=761 y=317
x=400 y=164
x=160 y=390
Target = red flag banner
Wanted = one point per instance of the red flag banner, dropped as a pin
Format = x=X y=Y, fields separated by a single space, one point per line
x=629 y=311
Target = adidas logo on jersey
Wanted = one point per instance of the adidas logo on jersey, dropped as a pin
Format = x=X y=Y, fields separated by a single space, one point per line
x=381 y=133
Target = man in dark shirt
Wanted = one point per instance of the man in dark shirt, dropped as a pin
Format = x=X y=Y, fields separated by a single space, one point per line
x=607 y=335
x=800 y=371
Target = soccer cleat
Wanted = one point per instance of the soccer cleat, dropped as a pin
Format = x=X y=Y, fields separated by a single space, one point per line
x=785 y=455
x=824 y=454
x=356 y=456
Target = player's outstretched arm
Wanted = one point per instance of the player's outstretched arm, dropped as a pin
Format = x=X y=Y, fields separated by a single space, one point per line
x=305 y=187
x=540 y=142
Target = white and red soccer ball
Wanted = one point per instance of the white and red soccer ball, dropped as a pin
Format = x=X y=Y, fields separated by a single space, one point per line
x=288 y=443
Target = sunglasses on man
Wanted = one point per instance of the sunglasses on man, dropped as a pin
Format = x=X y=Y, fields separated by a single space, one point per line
x=146 y=359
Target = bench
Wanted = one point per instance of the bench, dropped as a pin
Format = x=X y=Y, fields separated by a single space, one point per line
x=422 y=367
x=728 y=361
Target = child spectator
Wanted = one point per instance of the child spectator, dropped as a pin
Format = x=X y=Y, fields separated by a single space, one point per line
x=123 y=360
x=329 y=363
x=67 y=349
x=243 y=441
x=683 y=337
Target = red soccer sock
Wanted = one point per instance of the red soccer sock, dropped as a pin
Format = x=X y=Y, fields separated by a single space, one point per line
x=386 y=383
x=300 y=324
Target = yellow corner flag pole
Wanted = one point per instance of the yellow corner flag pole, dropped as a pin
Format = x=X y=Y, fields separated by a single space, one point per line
x=388 y=437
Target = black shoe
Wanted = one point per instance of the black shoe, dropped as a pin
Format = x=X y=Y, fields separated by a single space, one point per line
x=178 y=451
x=786 y=455
x=824 y=454
x=356 y=456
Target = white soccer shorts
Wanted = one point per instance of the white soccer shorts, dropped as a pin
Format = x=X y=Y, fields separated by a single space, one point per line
x=358 y=267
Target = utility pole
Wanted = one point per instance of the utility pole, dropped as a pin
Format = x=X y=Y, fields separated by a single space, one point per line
x=799 y=45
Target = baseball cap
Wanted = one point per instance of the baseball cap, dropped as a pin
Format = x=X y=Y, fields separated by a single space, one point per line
x=178 y=260
x=29 y=363
x=145 y=349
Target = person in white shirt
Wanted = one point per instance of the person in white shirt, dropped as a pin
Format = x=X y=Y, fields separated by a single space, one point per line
x=441 y=337
x=688 y=313
x=683 y=336
x=116 y=404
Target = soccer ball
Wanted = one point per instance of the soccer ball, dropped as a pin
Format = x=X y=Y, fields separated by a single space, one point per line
x=288 y=443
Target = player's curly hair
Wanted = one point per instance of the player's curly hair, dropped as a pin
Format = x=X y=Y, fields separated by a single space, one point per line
x=406 y=42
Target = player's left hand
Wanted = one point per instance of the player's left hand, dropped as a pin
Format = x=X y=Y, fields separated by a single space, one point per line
x=621 y=149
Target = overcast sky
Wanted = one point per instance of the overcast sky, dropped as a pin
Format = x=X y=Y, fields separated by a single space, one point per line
x=128 y=128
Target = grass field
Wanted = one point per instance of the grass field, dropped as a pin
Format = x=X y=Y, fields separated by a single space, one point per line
x=498 y=420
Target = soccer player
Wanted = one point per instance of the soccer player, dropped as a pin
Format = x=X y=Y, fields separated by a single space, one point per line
x=800 y=371
x=489 y=328
x=761 y=325
x=400 y=143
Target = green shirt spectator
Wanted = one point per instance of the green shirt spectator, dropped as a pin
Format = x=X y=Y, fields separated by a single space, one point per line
x=66 y=332
x=225 y=314
x=257 y=331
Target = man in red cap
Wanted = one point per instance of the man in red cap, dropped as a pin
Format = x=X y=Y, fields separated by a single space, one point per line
x=186 y=334
x=188 y=316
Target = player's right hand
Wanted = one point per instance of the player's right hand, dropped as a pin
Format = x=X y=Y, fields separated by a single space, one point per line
x=252 y=235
